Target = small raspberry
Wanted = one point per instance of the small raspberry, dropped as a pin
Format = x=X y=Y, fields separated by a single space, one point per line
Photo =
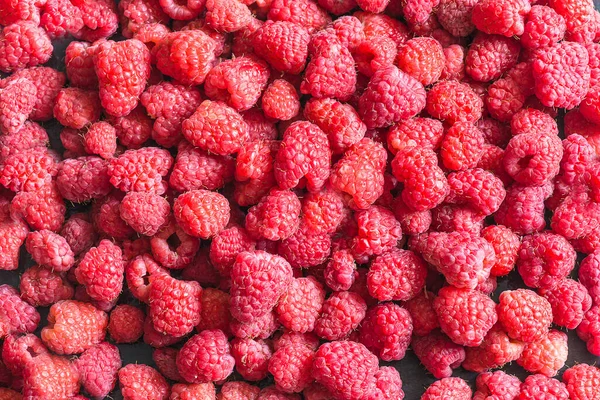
x=291 y=368
x=135 y=14
x=238 y=390
x=205 y=357
x=139 y=381
x=74 y=327
x=539 y=385
x=506 y=246
x=547 y=355
x=107 y=219
x=60 y=18
x=50 y=250
x=172 y=247
x=340 y=271
x=462 y=146
x=342 y=313
x=448 y=388
x=146 y=213
x=396 y=275
x=251 y=358
x=563 y=68
x=126 y=324
x=76 y=107
x=41 y=209
x=497 y=385
x=422 y=313
x=50 y=377
x=101 y=271
x=226 y=245
x=525 y=315
x=452 y=101
x=98 y=367
x=390 y=96
x=23 y=44
x=134 y=129
x=304 y=13
x=477 y=188
x=140 y=170
x=386 y=331
x=262 y=327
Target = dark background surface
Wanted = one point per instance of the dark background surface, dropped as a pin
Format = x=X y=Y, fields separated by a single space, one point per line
x=414 y=376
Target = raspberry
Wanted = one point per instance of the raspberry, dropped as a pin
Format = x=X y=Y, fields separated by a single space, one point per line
x=589 y=271
x=524 y=315
x=322 y=211
x=23 y=44
x=98 y=367
x=165 y=359
x=146 y=213
x=589 y=329
x=305 y=13
x=19 y=316
x=214 y=310
x=227 y=16
x=448 y=388
x=280 y=100
x=41 y=209
x=342 y=313
x=291 y=368
x=197 y=169
x=18 y=100
x=505 y=98
x=258 y=280
x=412 y=222
x=19 y=351
x=179 y=391
x=523 y=208
x=477 y=188
x=74 y=327
x=340 y=271
x=531 y=159
x=382 y=25
x=422 y=58
x=186 y=56
x=422 y=132
x=205 y=357
x=76 y=107
x=563 y=68
x=48 y=82
x=226 y=245
x=60 y=18
x=100 y=20
x=544 y=259
x=396 y=275
x=455 y=17
x=505 y=18
x=30 y=136
x=452 y=101
x=79 y=63
x=134 y=129
x=386 y=331
x=275 y=217
x=506 y=246
x=135 y=14
x=182 y=11
x=391 y=96
x=108 y=221
x=462 y=146
x=544 y=27
x=547 y=355
x=251 y=358
x=422 y=313
x=28 y=171
x=474 y=256
x=41 y=287
x=126 y=324
x=140 y=170
x=575 y=12
x=262 y=327
x=378 y=232
x=50 y=377
x=201 y=213
x=304 y=249
x=79 y=233
x=9 y=394
x=101 y=271
x=284 y=45
x=172 y=247
x=346 y=368
x=238 y=390
x=299 y=307
x=157 y=339
x=496 y=350
x=538 y=385
x=50 y=250
x=373 y=54
x=454 y=62
x=490 y=56
x=100 y=139
x=139 y=381
x=450 y=218
x=225 y=82
x=582 y=381
x=497 y=385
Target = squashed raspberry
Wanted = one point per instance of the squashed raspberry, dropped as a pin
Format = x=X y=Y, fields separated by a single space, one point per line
x=523 y=208
x=386 y=331
x=50 y=377
x=50 y=250
x=448 y=388
x=139 y=381
x=135 y=14
x=98 y=367
x=19 y=351
x=525 y=315
x=101 y=271
x=126 y=324
x=453 y=101
x=205 y=357
x=496 y=350
x=165 y=359
x=506 y=246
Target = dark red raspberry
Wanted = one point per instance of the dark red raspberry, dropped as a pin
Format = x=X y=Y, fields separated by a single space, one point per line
x=275 y=217
x=76 y=107
x=238 y=82
x=523 y=208
x=423 y=315
x=422 y=132
x=545 y=356
x=126 y=324
x=280 y=100
x=342 y=313
x=564 y=68
x=214 y=310
x=139 y=381
x=386 y=331
x=251 y=358
x=98 y=367
x=544 y=259
x=396 y=275
x=491 y=55
x=544 y=27
x=41 y=287
x=525 y=315
x=140 y=170
x=505 y=18
x=291 y=367
x=205 y=357
x=19 y=316
x=197 y=169
x=165 y=359
x=448 y=388
x=72 y=141
x=533 y=159
x=438 y=354
x=201 y=213
x=186 y=56
x=262 y=327
x=582 y=381
x=283 y=44
x=101 y=139
x=74 y=327
x=300 y=306
x=101 y=271
x=346 y=368
x=391 y=96
x=107 y=218
x=41 y=209
x=305 y=13
x=540 y=385
x=258 y=280
x=465 y=105
x=50 y=250
x=474 y=256
x=146 y=213
x=23 y=44
x=50 y=377
x=497 y=385
x=155 y=338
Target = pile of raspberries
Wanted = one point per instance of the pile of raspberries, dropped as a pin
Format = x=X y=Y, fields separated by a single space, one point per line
x=280 y=197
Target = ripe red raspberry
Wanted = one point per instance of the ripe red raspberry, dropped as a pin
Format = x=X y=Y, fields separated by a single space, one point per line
x=79 y=64
x=284 y=45
x=386 y=331
x=23 y=44
x=523 y=208
x=544 y=27
x=462 y=146
x=182 y=11
x=134 y=129
x=18 y=98
x=238 y=390
x=275 y=217
x=107 y=219
x=388 y=384
x=139 y=381
x=422 y=313
x=422 y=132
x=465 y=105
x=227 y=16
x=322 y=211
x=135 y=14
x=348 y=29
x=13 y=232
x=76 y=107
x=497 y=385
x=48 y=82
x=280 y=100
x=454 y=62
x=101 y=139
x=98 y=367
x=186 y=56
x=496 y=350
x=262 y=327
x=140 y=170
x=346 y=368
x=589 y=330
x=251 y=358
x=506 y=246
x=533 y=159
x=422 y=58
x=375 y=53
x=100 y=20
x=226 y=245
x=524 y=315
x=205 y=357
x=41 y=287
x=479 y=189
x=305 y=13
x=288 y=338
x=582 y=381
x=538 y=385
x=455 y=17
x=19 y=316
x=448 y=388
x=505 y=18
x=258 y=280
x=305 y=249
x=72 y=141
x=340 y=271
x=300 y=306
x=172 y=247
x=174 y=305
x=41 y=209
x=575 y=12
x=50 y=250
x=101 y=271
x=60 y=18
x=197 y=169
x=74 y=327
x=396 y=275
x=450 y=218
x=378 y=232
x=201 y=213
x=342 y=313
x=291 y=368
x=391 y=95
x=146 y=213
x=504 y=99
x=474 y=256
x=547 y=355
x=214 y=310
x=126 y=324
x=30 y=136
x=28 y=171
x=157 y=339
x=564 y=68
x=490 y=56
x=544 y=259
x=50 y=377
x=19 y=351
x=181 y=391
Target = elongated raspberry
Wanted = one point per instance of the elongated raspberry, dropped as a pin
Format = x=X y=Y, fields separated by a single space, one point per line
x=101 y=271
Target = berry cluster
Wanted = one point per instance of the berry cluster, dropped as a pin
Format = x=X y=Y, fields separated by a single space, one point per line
x=278 y=196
